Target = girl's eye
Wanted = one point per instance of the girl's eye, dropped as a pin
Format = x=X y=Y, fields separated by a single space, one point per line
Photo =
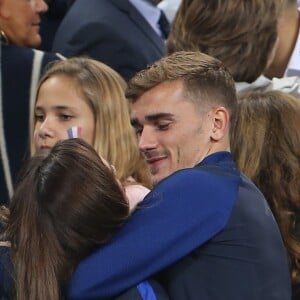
x=39 y=118
x=163 y=126
x=65 y=117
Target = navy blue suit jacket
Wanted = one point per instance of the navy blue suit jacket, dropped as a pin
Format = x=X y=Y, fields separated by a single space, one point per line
x=17 y=65
x=207 y=232
x=111 y=31
x=50 y=22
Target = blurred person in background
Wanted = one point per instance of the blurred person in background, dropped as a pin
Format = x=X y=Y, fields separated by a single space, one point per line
x=265 y=143
x=286 y=61
x=127 y=35
x=20 y=69
x=242 y=34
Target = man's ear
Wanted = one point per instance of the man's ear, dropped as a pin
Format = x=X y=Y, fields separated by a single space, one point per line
x=220 y=118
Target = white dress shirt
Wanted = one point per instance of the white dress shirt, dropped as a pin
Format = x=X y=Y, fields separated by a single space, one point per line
x=170 y=8
x=290 y=85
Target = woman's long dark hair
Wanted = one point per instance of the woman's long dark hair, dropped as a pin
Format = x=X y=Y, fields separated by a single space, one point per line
x=65 y=204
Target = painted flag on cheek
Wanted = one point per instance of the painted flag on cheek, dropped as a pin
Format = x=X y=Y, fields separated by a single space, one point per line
x=74 y=132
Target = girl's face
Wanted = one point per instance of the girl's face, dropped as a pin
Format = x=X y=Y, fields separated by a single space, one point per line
x=59 y=107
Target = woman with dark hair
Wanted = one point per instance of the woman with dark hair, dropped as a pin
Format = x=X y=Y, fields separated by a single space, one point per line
x=66 y=204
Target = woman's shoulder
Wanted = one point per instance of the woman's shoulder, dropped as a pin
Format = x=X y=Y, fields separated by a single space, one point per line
x=21 y=56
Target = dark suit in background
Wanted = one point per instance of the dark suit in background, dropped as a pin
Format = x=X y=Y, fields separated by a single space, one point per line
x=16 y=68
x=51 y=20
x=111 y=31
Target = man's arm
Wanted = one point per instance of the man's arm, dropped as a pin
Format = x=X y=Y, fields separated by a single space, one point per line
x=179 y=215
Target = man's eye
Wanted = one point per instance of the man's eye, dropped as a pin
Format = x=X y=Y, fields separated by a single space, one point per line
x=163 y=126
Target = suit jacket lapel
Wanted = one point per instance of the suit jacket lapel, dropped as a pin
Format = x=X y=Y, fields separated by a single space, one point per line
x=141 y=23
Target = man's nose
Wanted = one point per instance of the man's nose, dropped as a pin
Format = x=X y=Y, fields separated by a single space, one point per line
x=147 y=139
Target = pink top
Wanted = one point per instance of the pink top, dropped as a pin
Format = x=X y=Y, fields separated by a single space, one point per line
x=135 y=194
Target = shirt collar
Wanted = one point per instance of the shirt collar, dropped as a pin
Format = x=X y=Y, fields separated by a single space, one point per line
x=217 y=157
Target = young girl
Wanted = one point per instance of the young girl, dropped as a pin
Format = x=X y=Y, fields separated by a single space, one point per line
x=88 y=96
